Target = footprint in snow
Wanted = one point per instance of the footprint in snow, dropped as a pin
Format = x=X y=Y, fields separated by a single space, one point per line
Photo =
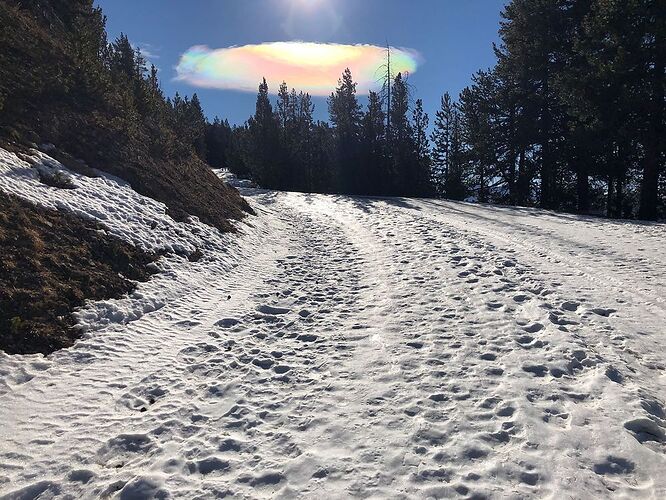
x=570 y=306
x=524 y=339
x=264 y=363
x=186 y=323
x=227 y=322
x=536 y=370
x=603 y=311
x=614 y=465
x=212 y=464
x=272 y=310
x=614 y=375
x=645 y=429
x=533 y=328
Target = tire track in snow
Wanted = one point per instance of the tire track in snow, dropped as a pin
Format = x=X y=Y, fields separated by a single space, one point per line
x=567 y=356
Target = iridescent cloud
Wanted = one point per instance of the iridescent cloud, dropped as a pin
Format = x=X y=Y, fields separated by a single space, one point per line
x=310 y=67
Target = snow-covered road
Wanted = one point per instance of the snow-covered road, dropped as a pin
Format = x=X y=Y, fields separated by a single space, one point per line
x=348 y=347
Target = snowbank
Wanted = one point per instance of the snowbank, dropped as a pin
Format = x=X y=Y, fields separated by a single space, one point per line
x=130 y=216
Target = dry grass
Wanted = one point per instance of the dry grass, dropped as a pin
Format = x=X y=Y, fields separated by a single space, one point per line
x=51 y=263
x=187 y=187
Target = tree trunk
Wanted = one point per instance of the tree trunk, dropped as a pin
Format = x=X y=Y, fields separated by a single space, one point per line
x=511 y=177
x=610 y=196
x=522 y=188
x=482 y=184
x=649 y=182
x=653 y=144
x=546 y=156
x=619 y=195
x=582 y=187
x=622 y=162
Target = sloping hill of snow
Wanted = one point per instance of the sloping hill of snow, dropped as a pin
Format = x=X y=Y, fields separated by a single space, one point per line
x=345 y=347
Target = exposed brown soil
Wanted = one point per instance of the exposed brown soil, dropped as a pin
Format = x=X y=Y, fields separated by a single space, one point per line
x=187 y=187
x=50 y=263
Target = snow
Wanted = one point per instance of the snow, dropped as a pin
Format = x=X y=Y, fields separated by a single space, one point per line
x=231 y=179
x=108 y=200
x=347 y=347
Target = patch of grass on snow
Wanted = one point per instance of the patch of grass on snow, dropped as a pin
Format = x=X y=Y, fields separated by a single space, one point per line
x=52 y=262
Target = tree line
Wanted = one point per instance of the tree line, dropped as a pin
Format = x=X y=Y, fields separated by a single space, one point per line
x=571 y=117
x=62 y=81
x=282 y=147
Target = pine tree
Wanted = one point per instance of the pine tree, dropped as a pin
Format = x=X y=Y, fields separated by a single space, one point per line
x=218 y=143
x=238 y=153
x=387 y=91
x=401 y=146
x=619 y=58
x=533 y=33
x=375 y=179
x=301 y=148
x=422 y=163
x=264 y=133
x=124 y=60
x=653 y=57
x=345 y=115
x=456 y=184
x=197 y=126
x=478 y=134
x=323 y=159
x=441 y=139
x=283 y=105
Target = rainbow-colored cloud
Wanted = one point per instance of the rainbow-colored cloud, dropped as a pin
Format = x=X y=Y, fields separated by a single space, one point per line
x=307 y=66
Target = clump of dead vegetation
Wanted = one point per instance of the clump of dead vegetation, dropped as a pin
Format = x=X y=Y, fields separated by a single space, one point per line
x=56 y=178
x=52 y=262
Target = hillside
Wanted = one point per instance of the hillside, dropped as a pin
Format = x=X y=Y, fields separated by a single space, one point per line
x=52 y=262
x=62 y=83
x=99 y=113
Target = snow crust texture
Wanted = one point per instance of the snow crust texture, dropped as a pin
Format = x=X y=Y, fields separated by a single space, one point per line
x=343 y=347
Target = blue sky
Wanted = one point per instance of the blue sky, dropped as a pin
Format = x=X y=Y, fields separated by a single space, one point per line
x=454 y=37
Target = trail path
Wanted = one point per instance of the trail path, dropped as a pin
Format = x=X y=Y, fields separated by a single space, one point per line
x=365 y=348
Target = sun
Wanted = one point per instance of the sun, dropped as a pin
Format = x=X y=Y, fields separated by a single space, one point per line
x=309 y=4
